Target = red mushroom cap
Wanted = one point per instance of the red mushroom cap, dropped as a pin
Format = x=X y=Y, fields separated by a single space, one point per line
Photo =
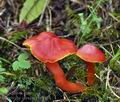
x=48 y=47
x=91 y=53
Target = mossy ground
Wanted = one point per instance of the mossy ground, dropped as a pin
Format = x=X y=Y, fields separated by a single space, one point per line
x=83 y=21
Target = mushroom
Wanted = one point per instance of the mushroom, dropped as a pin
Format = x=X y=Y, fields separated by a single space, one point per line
x=91 y=54
x=49 y=48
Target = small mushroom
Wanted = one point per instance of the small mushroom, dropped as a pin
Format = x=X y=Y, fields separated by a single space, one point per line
x=49 y=48
x=91 y=54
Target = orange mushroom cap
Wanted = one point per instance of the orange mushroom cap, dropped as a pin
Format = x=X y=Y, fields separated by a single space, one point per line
x=47 y=47
x=91 y=53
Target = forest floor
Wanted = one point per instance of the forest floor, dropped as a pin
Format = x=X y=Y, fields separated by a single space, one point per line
x=82 y=21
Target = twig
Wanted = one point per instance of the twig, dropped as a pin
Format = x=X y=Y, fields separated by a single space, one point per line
x=50 y=17
x=108 y=84
x=1 y=38
x=41 y=17
x=5 y=60
x=105 y=44
x=66 y=97
x=110 y=14
x=109 y=53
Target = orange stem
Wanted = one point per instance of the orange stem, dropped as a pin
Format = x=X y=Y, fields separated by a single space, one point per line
x=61 y=81
x=90 y=73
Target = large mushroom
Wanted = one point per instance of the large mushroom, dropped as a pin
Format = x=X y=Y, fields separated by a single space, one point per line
x=91 y=54
x=49 y=48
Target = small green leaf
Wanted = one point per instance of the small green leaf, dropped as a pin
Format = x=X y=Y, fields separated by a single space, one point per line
x=32 y=9
x=15 y=65
x=116 y=56
x=2 y=78
x=3 y=90
x=81 y=15
x=23 y=56
x=2 y=69
x=84 y=26
x=24 y=64
x=0 y=62
x=97 y=20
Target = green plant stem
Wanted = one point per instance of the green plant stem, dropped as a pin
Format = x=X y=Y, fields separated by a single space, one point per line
x=1 y=38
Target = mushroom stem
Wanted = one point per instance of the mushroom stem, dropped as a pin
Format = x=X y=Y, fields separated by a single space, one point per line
x=61 y=81
x=90 y=73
